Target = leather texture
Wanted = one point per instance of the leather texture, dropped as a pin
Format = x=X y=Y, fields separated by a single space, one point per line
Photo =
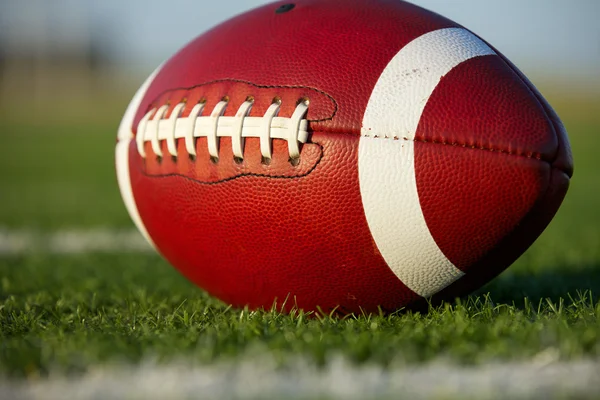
x=489 y=159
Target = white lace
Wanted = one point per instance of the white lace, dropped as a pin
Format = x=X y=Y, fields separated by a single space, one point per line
x=154 y=128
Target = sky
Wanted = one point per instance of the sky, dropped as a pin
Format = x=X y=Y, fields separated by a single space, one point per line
x=552 y=37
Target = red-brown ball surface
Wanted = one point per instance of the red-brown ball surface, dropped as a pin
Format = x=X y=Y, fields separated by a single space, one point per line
x=489 y=161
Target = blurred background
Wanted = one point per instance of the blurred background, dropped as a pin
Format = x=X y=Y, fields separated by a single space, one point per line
x=68 y=68
x=80 y=50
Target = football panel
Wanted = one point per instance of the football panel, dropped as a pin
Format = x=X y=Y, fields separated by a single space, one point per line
x=563 y=159
x=471 y=199
x=512 y=246
x=255 y=239
x=483 y=104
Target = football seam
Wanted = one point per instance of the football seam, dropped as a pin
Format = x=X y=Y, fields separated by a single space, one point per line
x=540 y=103
x=529 y=155
x=555 y=127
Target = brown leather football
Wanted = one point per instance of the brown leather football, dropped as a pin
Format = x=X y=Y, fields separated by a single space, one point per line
x=342 y=154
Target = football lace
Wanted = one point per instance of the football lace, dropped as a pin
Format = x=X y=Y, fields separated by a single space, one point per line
x=154 y=127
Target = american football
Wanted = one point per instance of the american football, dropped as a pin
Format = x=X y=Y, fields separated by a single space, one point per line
x=343 y=155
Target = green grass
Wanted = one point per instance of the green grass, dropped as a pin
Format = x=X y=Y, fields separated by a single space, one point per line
x=112 y=308
x=71 y=312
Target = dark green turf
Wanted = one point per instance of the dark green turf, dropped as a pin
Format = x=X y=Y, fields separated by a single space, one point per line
x=70 y=312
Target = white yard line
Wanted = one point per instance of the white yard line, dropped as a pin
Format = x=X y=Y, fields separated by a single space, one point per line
x=340 y=379
x=71 y=241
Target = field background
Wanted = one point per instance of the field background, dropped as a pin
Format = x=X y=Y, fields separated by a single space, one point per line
x=86 y=308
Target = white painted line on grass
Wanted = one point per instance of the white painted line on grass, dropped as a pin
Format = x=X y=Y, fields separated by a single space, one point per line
x=339 y=379
x=72 y=241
